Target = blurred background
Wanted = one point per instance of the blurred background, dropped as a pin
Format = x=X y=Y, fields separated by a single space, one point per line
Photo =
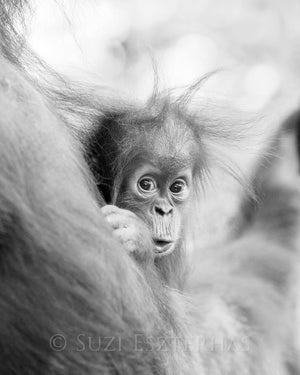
x=254 y=43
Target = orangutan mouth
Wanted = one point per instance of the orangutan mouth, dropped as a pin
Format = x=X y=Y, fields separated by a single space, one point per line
x=163 y=247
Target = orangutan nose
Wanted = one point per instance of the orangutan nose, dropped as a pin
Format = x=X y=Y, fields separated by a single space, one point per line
x=163 y=209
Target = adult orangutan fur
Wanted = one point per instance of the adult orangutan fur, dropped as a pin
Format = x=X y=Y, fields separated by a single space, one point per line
x=72 y=301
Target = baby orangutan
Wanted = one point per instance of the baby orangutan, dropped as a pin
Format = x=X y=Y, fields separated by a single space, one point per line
x=153 y=190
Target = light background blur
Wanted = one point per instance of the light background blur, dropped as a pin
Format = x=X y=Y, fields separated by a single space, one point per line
x=256 y=44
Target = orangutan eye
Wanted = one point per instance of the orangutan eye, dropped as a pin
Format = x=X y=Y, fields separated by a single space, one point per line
x=178 y=187
x=146 y=184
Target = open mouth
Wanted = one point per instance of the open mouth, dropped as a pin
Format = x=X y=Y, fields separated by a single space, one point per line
x=163 y=246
